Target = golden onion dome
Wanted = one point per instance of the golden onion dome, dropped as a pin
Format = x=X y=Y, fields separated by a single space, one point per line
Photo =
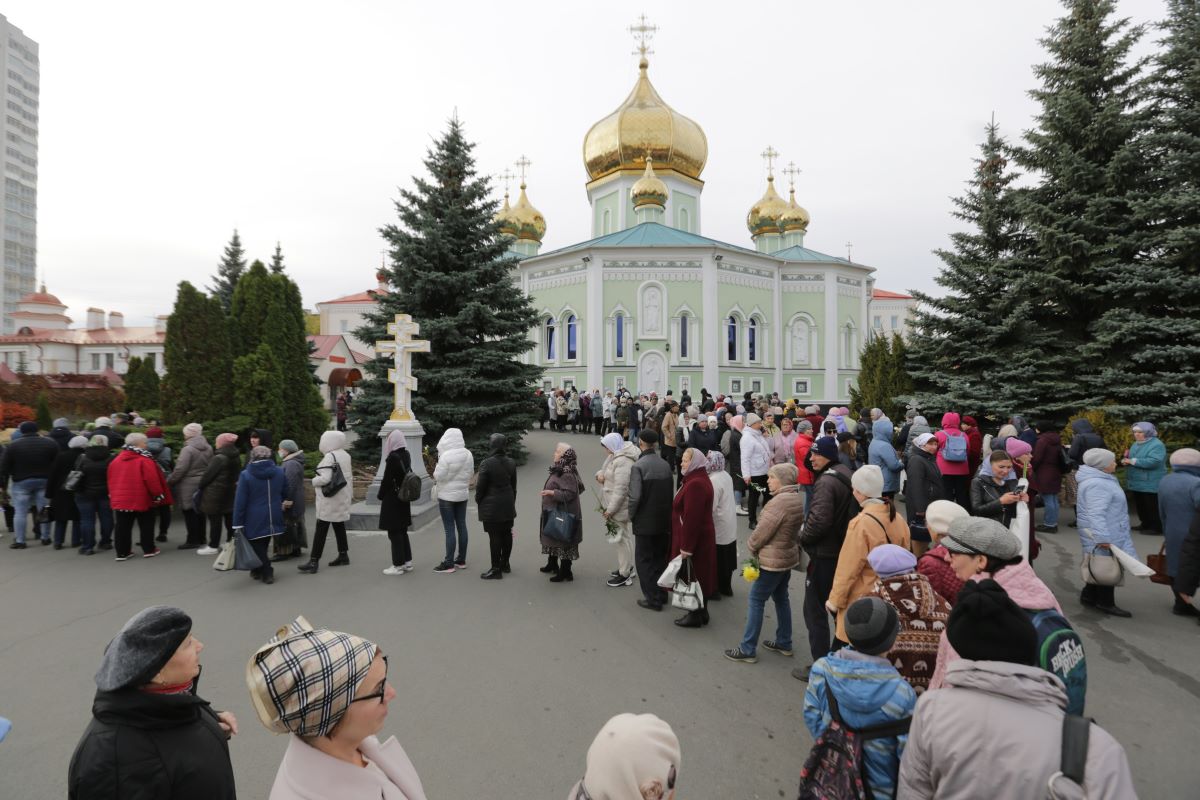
x=528 y=221
x=796 y=217
x=765 y=215
x=504 y=219
x=644 y=126
x=649 y=189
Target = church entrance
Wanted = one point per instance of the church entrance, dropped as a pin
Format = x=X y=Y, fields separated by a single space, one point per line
x=652 y=374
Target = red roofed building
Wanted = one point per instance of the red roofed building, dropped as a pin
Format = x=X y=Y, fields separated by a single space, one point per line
x=342 y=315
x=888 y=312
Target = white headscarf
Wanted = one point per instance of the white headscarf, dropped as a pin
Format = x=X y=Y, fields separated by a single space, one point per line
x=634 y=756
x=613 y=442
x=394 y=441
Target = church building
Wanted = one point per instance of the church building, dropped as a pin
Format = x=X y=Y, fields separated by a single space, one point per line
x=651 y=304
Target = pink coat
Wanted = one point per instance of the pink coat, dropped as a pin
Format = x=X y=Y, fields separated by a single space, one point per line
x=308 y=774
x=950 y=423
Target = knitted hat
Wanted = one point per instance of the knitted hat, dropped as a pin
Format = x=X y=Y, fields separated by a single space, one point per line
x=712 y=420
x=27 y=428
x=289 y=446
x=923 y=439
x=1017 y=448
x=986 y=625
x=77 y=442
x=1099 y=458
x=1185 y=457
x=941 y=513
x=871 y=625
x=192 y=429
x=648 y=436
x=752 y=419
x=103 y=422
x=803 y=426
x=980 y=536
x=303 y=680
x=62 y=422
x=142 y=647
x=226 y=438
x=99 y=440
x=633 y=755
x=868 y=480
x=891 y=559
x=827 y=447
x=154 y=432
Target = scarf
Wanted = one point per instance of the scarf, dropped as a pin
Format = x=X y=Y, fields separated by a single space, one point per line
x=566 y=463
x=1146 y=428
x=698 y=462
x=394 y=441
x=140 y=451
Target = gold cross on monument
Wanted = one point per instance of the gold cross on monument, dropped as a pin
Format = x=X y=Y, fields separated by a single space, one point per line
x=791 y=171
x=642 y=34
x=769 y=155
x=522 y=164
x=401 y=347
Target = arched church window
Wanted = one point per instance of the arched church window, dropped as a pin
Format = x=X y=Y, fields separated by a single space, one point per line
x=620 y=332
x=732 y=335
x=752 y=340
x=606 y=226
x=572 y=335
x=550 y=338
x=683 y=335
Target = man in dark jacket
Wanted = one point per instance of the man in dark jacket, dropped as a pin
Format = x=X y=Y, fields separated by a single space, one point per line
x=651 y=492
x=829 y=514
x=61 y=433
x=91 y=498
x=27 y=462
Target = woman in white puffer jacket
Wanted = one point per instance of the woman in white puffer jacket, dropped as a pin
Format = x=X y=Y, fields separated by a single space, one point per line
x=334 y=509
x=452 y=476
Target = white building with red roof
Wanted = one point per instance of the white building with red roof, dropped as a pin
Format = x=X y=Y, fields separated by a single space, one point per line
x=338 y=354
x=889 y=311
x=341 y=316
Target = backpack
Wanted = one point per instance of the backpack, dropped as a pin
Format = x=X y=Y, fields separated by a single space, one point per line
x=1060 y=651
x=410 y=488
x=956 y=448
x=835 y=768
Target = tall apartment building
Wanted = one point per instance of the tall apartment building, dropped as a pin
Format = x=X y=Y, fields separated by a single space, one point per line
x=18 y=215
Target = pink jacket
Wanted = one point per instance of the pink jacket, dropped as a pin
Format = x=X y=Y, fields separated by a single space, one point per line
x=308 y=774
x=950 y=423
x=1023 y=586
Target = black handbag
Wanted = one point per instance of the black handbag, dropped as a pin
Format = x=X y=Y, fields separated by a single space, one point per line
x=559 y=524
x=337 y=480
x=74 y=477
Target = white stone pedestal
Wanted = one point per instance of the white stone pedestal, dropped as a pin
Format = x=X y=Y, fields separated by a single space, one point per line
x=364 y=515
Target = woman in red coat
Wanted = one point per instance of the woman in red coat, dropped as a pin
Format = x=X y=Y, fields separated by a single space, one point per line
x=136 y=488
x=693 y=534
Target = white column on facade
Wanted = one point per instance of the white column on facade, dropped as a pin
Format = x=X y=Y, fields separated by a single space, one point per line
x=832 y=336
x=777 y=336
x=710 y=340
x=595 y=324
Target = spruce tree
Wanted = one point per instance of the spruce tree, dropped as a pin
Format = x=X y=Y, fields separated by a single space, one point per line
x=252 y=298
x=45 y=421
x=257 y=388
x=1084 y=154
x=198 y=362
x=141 y=383
x=883 y=379
x=304 y=417
x=1152 y=368
x=277 y=260
x=232 y=265
x=450 y=271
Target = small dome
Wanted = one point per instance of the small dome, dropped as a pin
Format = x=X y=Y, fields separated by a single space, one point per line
x=765 y=215
x=649 y=189
x=41 y=296
x=795 y=218
x=528 y=221
x=504 y=218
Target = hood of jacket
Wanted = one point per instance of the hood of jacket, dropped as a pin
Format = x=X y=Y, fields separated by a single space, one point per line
x=97 y=452
x=264 y=437
x=298 y=454
x=146 y=711
x=230 y=451
x=1086 y=473
x=630 y=451
x=1026 y=685
x=951 y=421
x=452 y=439
x=1023 y=586
x=262 y=469
x=332 y=440
x=854 y=682
x=882 y=429
x=155 y=445
x=497 y=444
x=199 y=443
x=1082 y=426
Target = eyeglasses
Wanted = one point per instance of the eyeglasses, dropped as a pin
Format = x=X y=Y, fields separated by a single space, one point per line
x=382 y=687
x=582 y=792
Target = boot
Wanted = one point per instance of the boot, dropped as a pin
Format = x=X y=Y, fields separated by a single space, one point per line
x=342 y=560
x=551 y=565
x=564 y=572
x=493 y=574
x=693 y=619
x=311 y=567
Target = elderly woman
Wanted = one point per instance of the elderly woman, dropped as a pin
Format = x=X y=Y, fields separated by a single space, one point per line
x=151 y=735
x=633 y=757
x=775 y=545
x=332 y=509
x=613 y=476
x=922 y=611
x=184 y=481
x=783 y=444
x=62 y=499
x=395 y=515
x=1147 y=464
x=1178 y=505
x=692 y=532
x=935 y=564
x=724 y=523
x=218 y=486
x=330 y=691
x=877 y=524
x=136 y=487
x=562 y=488
x=496 y=499
x=295 y=537
x=258 y=508
x=1103 y=522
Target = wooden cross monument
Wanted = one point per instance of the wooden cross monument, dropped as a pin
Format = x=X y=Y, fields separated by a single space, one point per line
x=401 y=347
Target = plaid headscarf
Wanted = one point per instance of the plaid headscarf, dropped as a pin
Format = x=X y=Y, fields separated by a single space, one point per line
x=302 y=680
x=565 y=464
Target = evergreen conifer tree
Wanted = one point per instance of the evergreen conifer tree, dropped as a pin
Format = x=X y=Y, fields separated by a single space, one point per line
x=304 y=417
x=196 y=353
x=883 y=379
x=252 y=298
x=141 y=383
x=277 y=259
x=232 y=265
x=257 y=387
x=45 y=421
x=450 y=271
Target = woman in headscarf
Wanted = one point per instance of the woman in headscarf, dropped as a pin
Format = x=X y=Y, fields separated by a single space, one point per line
x=692 y=533
x=919 y=425
x=395 y=515
x=1103 y=522
x=633 y=757
x=614 y=476
x=1178 y=505
x=496 y=499
x=731 y=448
x=562 y=487
x=1146 y=460
x=294 y=538
x=783 y=445
x=330 y=691
x=258 y=508
x=724 y=523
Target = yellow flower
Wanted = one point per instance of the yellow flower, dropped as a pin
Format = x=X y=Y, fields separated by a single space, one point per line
x=750 y=574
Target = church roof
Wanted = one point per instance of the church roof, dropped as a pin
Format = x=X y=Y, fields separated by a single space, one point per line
x=650 y=234
x=358 y=297
x=884 y=294
x=798 y=253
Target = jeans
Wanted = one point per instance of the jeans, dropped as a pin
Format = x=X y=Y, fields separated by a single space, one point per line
x=454 y=514
x=775 y=586
x=26 y=494
x=817 y=587
x=1050 y=501
x=89 y=509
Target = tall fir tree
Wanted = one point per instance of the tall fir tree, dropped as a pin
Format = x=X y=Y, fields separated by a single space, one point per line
x=1152 y=368
x=45 y=421
x=197 y=357
x=970 y=350
x=1083 y=153
x=304 y=417
x=883 y=379
x=141 y=383
x=252 y=298
x=451 y=271
x=257 y=385
x=277 y=259
x=232 y=265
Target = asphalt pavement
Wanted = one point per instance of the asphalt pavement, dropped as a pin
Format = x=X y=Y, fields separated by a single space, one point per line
x=501 y=685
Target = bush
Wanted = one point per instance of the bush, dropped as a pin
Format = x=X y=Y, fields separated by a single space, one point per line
x=13 y=414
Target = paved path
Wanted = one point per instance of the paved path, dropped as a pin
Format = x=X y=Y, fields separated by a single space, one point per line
x=502 y=685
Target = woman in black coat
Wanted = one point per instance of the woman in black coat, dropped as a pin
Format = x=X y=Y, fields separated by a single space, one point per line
x=218 y=487
x=395 y=515
x=62 y=500
x=923 y=486
x=496 y=497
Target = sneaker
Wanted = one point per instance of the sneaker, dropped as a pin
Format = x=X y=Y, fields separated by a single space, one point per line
x=460 y=563
x=207 y=551
x=775 y=648
x=408 y=567
x=620 y=580
x=16 y=546
x=736 y=654
x=614 y=573
x=123 y=558
x=394 y=571
x=152 y=553
x=741 y=512
x=162 y=537
x=445 y=568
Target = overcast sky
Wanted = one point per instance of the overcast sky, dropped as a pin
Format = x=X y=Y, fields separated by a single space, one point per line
x=166 y=125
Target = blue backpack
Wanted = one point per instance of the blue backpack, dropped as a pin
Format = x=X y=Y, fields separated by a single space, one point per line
x=1060 y=651
x=956 y=447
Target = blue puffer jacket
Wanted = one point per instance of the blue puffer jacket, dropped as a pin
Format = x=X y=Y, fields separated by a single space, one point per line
x=258 y=504
x=1150 y=467
x=883 y=455
x=869 y=691
x=1178 y=503
x=1101 y=509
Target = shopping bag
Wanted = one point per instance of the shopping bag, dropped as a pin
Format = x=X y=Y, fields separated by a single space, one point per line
x=686 y=594
x=1131 y=564
x=246 y=558
x=226 y=557
x=667 y=579
x=1020 y=525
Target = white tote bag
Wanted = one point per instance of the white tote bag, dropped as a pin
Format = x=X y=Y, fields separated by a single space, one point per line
x=1020 y=525
x=667 y=579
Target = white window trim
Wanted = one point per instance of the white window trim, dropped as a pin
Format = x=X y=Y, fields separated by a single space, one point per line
x=759 y=381
x=814 y=343
x=740 y=317
x=543 y=351
x=739 y=390
x=567 y=379
x=564 y=315
x=762 y=337
x=610 y=337
x=807 y=387
x=693 y=336
x=619 y=382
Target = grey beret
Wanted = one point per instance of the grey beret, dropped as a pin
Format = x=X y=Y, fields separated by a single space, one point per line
x=980 y=536
x=142 y=648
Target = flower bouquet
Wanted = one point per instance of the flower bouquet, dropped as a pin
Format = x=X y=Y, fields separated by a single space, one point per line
x=612 y=531
x=750 y=570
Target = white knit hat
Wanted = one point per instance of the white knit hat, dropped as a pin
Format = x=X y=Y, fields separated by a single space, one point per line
x=868 y=480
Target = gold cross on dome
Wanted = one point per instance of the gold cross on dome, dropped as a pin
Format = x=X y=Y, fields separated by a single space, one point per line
x=642 y=34
x=522 y=164
x=791 y=170
x=507 y=177
x=769 y=155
